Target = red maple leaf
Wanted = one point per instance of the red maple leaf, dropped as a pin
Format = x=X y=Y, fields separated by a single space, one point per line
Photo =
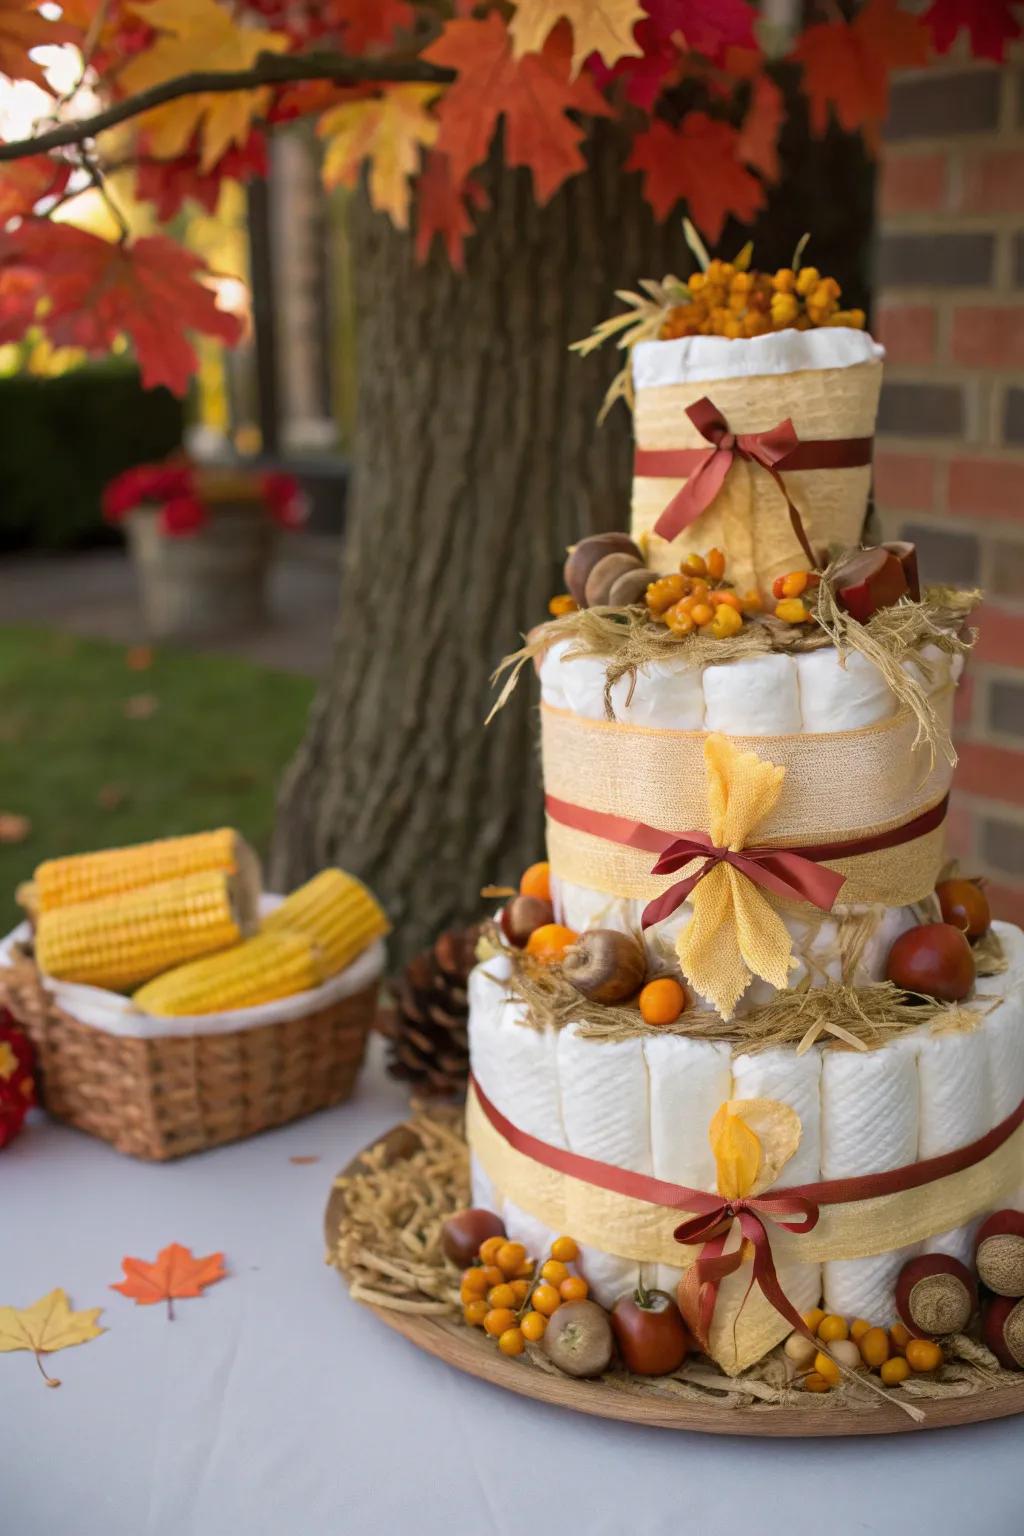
x=990 y=24
x=21 y=288
x=758 y=143
x=444 y=207
x=705 y=26
x=23 y=183
x=367 y=24
x=533 y=94
x=146 y=289
x=696 y=163
x=847 y=65
x=168 y=183
x=174 y=1272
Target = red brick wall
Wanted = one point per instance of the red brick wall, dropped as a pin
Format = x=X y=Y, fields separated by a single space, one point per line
x=949 y=306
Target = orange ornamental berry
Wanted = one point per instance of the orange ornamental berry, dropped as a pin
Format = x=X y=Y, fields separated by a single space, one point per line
x=858 y=1328
x=715 y=561
x=894 y=1371
x=923 y=1355
x=807 y=279
x=694 y=565
x=662 y=1000
x=492 y=1276
x=750 y=601
x=792 y=611
x=794 y=585
x=512 y=1342
x=497 y=1320
x=520 y=1290
x=533 y=1326
x=701 y=614
x=555 y=1271
x=489 y=1248
x=565 y=1248
x=475 y=1311
x=502 y=1295
x=726 y=597
x=827 y=1369
x=561 y=604
x=546 y=1299
x=874 y=1347
x=509 y=1257
x=784 y=280
x=833 y=1327
x=525 y=1270
x=661 y=594
x=679 y=619
x=536 y=881
x=727 y=621
x=813 y=1317
x=575 y=1288
x=549 y=942
x=785 y=309
x=474 y=1282
x=815 y=1383
x=899 y=1337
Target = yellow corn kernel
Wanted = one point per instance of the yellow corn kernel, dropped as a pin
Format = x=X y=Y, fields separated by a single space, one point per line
x=88 y=876
x=264 y=968
x=337 y=912
x=120 y=941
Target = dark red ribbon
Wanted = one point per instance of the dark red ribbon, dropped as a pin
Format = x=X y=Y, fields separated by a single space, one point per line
x=706 y=468
x=785 y=871
x=714 y=1214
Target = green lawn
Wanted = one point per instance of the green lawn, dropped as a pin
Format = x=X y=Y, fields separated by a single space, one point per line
x=96 y=753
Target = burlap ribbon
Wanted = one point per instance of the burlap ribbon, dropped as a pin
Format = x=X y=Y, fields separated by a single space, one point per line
x=706 y=468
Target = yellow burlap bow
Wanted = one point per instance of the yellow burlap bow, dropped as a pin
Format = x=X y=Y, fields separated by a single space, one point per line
x=734 y=933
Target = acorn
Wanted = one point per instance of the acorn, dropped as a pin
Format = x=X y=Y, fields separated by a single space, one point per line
x=965 y=905
x=521 y=915
x=1002 y=1328
x=999 y=1253
x=936 y=1294
x=934 y=959
x=462 y=1234
x=584 y=556
x=605 y=966
x=630 y=587
x=603 y=576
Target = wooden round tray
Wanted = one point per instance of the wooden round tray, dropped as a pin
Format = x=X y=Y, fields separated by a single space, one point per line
x=467 y=1349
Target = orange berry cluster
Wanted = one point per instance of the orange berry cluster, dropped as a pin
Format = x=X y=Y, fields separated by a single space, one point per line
x=510 y=1299
x=728 y=301
x=789 y=593
x=697 y=598
x=894 y=1353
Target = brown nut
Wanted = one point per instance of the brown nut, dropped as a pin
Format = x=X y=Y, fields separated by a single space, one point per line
x=605 y=966
x=604 y=576
x=521 y=915
x=630 y=587
x=578 y=1339
x=584 y=556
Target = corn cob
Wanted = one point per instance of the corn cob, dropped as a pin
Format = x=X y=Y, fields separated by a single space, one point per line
x=88 y=876
x=266 y=967
x=337 y=912
x=120 y=941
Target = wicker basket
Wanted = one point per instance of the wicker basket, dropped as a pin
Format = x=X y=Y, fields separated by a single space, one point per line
x=162 y=1096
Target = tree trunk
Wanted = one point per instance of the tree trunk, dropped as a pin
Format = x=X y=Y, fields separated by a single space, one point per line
x=477 y=459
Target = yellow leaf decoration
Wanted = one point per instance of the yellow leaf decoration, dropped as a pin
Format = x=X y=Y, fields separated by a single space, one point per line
x=198 y=34
x=735 y=932
x=598 y=26
x=752 y=1141
x=391 y=131
x=47 y=1325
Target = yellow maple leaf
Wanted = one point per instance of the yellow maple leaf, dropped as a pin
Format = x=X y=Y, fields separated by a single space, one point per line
x=198 y=34
x=752 y=1140
x=391 y=131
x=47 y=1325
x=598 y=26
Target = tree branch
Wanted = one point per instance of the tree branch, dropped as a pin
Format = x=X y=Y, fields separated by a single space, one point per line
x=269 y=69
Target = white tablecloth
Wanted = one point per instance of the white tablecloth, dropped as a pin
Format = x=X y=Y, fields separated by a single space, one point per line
x=274 y=1406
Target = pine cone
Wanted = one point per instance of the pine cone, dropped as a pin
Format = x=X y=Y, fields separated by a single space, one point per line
x=426 y=1026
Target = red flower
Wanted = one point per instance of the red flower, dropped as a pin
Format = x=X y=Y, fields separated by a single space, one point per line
x=182 y=515
x=142 y=483
x=285 y=501
x=17 y=1088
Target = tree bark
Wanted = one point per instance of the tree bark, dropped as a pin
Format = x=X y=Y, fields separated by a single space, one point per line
x=477 y=459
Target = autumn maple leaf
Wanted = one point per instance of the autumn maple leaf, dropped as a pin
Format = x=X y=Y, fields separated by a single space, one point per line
x=175 y=1272
x=990 y=24
x=444 y=207
x=23 y=183
x=708 y=27
x=167 y=184
x=22 y=28
x=604 y=27
x=758 y=143
x=198 y=34
x=46 y=1326
x=697 y=163
x=368 y=24
x=390 y=131
x=97 y=290
x=847 y=65
x=533 y=94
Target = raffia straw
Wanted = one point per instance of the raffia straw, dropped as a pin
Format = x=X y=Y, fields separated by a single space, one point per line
x=989 y=955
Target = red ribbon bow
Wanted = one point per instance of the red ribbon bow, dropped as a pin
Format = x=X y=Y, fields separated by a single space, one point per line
x=781 y=870
x=711 y=465
x=711 y=1228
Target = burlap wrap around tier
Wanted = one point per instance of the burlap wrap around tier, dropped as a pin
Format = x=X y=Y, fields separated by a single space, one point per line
x=825 y=382
x=838 y=786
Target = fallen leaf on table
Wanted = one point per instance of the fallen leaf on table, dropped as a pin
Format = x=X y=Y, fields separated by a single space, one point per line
x=141 y=706
x=303 y=1158
x=14 y=828
x=47 y=1325
x=175 y=1272
x=139 y=658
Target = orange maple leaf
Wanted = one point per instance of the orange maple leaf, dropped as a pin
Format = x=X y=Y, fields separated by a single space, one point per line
x=847 y=65
x=758 y=143
x=175 y=1272
x=24 y=183
x=533 y=94
x=148 y=289
x=22 y=28
x=444 y=207
x=697 y=163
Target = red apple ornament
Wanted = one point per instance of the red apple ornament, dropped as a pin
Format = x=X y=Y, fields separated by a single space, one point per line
x=869 y=579
x=650 y=1332
x=965 y=905
x=999 y=1253
x=934 y=959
